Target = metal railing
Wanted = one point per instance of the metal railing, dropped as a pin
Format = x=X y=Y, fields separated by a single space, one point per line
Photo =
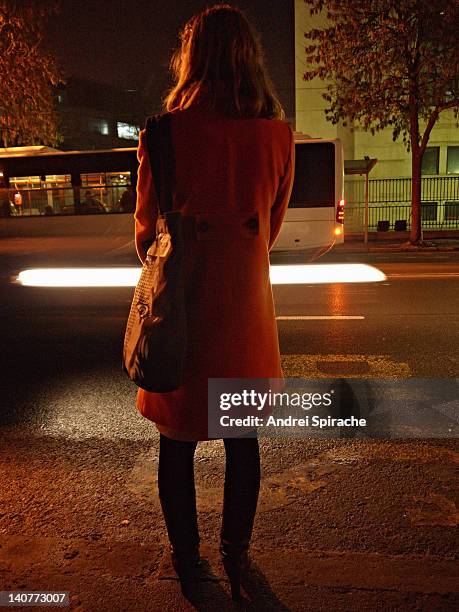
x=390 y=200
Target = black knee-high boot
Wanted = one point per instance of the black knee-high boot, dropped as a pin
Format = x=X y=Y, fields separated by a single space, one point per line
x=178 y=502
x=242 y=484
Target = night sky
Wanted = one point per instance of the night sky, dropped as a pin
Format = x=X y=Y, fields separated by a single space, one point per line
x=129 y=43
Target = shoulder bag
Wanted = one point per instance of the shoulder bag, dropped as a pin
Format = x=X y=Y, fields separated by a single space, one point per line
x=155 y=337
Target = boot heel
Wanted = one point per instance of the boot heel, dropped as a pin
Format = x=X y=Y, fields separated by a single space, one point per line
x=233 y=571
x=236 y=564
x=186 y=563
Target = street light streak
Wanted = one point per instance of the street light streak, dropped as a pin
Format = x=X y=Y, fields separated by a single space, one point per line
x=319 y=317
x=307 y=274
x=80 y=277
x=312 y=274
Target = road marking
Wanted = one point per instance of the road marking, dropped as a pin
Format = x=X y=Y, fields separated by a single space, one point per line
x=318 y=317
x=328 y=366
x=424 y=275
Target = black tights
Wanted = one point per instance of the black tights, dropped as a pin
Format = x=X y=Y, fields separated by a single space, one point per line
x=178 y=497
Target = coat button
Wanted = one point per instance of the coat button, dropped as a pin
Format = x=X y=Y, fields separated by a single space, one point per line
x=252 y=223
x=203 y=226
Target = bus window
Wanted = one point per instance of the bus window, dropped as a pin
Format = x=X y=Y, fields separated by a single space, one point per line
x=314 y=182
x=106 y=179
x=118 y=178
x=96 y=179
x=59 y=194
x=107 y=187
x=58 y=181
x=310 y=223
x=25 y=182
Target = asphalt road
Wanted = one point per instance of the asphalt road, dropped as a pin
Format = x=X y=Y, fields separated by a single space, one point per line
x=405 y=327
x=345 y=524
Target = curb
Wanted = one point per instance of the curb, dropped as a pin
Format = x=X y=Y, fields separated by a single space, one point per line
x=393 y=248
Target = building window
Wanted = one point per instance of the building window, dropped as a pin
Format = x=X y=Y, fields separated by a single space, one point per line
x=99 y=125
x=452 y=162
x=429 y=211
x=430 y=159
x=451 y=210
x=127 y=130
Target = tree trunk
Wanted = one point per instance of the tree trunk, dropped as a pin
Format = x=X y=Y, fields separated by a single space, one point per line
x=415 y=234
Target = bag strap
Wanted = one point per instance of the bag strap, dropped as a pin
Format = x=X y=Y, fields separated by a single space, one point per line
x=161 y=155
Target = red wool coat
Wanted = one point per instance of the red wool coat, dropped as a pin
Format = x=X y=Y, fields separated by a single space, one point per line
x=227 y=173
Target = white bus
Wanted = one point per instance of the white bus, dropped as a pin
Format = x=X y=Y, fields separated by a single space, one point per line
x=314 y=219
x=55 y=181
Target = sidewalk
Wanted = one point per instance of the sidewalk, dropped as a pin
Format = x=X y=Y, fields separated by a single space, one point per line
x=357 y=245
x=138 y=577
x=342 y=525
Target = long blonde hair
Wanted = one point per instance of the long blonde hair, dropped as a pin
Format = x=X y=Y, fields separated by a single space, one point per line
x=220 y=63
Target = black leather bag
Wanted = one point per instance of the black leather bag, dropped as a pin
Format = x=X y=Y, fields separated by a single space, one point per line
x=155 y=338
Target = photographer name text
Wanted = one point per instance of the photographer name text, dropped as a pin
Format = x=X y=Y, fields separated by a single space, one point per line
x=290 y=421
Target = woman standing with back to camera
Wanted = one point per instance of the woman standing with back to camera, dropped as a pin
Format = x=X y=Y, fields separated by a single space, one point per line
x=234 y=167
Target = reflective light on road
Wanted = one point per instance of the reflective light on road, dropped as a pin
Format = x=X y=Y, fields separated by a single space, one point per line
x=308 y=274
x=311 y=274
